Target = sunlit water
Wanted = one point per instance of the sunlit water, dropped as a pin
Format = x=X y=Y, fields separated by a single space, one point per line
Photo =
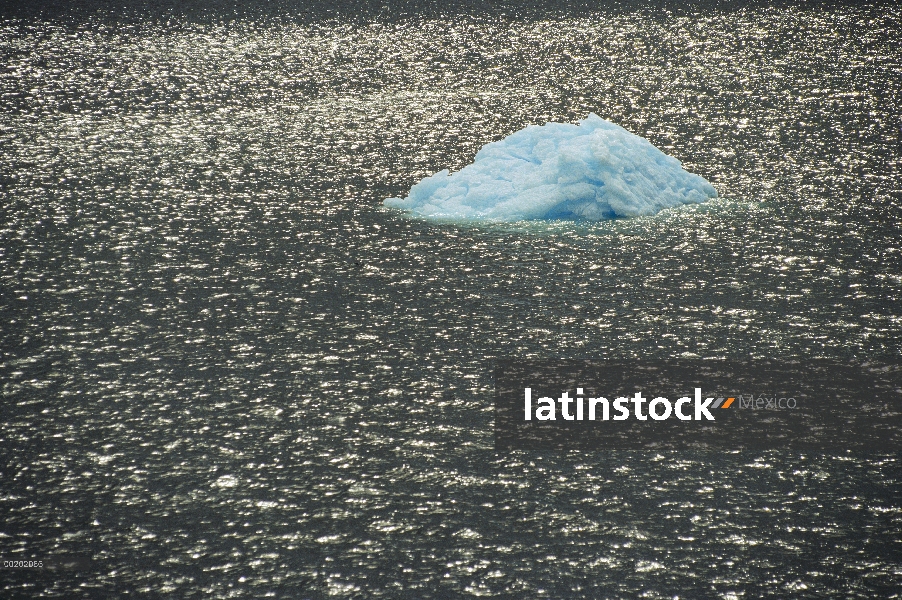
x=228 y=371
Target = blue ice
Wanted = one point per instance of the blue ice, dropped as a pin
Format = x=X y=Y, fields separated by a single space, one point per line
x=594 y=170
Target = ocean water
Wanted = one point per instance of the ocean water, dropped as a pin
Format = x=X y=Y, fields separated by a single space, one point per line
x=228 y=371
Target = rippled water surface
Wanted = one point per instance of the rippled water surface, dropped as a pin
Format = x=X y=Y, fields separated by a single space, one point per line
x=228 y=371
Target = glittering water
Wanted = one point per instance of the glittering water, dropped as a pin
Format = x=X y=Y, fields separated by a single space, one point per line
x=227 y=371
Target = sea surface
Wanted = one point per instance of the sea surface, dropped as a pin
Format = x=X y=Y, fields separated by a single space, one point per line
x=228 y=371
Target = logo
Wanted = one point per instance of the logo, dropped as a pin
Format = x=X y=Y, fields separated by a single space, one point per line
x=806 y=406
x=600 y=409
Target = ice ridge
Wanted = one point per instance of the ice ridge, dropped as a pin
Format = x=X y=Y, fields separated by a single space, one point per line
x=593 y=170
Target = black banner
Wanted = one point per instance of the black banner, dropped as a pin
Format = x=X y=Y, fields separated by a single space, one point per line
x=813 y=406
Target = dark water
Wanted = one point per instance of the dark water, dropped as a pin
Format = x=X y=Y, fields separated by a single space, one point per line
x=227 y=371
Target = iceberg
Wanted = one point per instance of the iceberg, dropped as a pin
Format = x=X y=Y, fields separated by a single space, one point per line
x=593 y=170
